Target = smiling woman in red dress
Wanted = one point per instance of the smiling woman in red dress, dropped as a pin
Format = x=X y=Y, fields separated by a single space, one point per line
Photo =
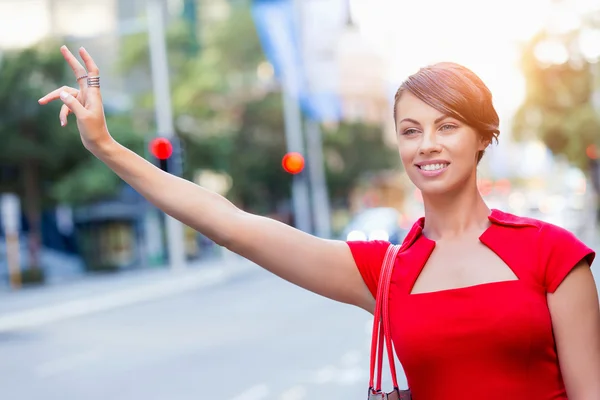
x=484 y=305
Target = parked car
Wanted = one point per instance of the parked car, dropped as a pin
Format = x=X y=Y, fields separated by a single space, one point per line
x=380 y=223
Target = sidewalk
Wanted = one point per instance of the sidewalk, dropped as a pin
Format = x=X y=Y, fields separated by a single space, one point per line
x=37 y=306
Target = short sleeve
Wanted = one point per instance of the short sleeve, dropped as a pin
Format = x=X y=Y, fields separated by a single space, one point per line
x=368 y=256
x=561 y=252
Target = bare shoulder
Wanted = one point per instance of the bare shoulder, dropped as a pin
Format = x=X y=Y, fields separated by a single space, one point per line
x=575 y=313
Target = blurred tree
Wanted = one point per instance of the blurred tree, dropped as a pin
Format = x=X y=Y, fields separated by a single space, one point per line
x=232 y=121
x=255 y=155
x=87 y=179
x=219 y=104
x=558 y=107
x=33 y=141
x=49 y=163
x=351 y=150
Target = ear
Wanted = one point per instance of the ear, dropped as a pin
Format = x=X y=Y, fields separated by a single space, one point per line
x=483 y=144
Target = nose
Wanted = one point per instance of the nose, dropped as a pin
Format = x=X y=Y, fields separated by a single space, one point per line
x=429 y=143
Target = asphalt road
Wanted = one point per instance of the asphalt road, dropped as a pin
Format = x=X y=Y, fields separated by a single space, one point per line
x=232 y=332
x=251 y=337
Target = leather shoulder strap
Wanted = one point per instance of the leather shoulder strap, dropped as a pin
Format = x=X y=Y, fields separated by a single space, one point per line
x=381 y=323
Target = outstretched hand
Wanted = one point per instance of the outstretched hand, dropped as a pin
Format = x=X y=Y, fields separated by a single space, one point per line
x=85 y=102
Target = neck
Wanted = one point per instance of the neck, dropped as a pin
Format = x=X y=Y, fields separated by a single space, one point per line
x=454 y=214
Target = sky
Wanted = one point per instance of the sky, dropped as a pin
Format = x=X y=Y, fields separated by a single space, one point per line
x=482 y=35
x=25 y=22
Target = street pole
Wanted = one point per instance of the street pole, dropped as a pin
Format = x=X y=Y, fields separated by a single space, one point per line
x=295 y=143
x=10 y=211
x=315 y=162
x=164 y=116
x=318 y=182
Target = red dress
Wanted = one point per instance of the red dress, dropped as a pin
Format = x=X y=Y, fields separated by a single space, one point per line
x=483 y=342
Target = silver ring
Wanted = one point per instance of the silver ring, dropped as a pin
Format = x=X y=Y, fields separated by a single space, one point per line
x=81 y=77
x=93 y=81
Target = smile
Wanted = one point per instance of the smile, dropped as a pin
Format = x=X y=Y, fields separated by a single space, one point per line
x=433 y=169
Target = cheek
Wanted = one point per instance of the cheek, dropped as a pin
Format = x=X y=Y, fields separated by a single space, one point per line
x=407 y=153
x=463 y=149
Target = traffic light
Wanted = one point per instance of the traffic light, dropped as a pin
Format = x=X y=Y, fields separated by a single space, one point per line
x=168 y=154
x=592 y=152
x=293 y=163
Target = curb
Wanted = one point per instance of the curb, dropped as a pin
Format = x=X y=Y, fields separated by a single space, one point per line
x=176 y=283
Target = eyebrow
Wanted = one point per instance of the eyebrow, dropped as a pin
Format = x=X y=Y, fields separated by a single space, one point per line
x=438 y=119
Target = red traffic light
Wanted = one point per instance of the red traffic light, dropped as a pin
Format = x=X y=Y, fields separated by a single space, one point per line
x=293 y=163
x=592 y=152
x=161 y=148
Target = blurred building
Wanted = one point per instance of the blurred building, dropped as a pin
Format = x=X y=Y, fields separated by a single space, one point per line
x=363 y=82
x=97 y=24
x=101 y=26
x=366 y=97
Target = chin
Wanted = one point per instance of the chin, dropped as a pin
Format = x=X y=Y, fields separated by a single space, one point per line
x=445 y=184
x=435 y=187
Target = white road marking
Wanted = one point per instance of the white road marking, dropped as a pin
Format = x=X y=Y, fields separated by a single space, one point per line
x=325 y=374
x=351 y=376
x=257 y=392
x=66 y=364
x=351 y=358
x=295 y=393
x=76 y=308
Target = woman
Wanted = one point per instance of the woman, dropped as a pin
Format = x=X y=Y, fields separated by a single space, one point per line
x=484 y=304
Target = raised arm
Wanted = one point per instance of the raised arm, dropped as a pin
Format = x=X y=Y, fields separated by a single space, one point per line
x=325 y=267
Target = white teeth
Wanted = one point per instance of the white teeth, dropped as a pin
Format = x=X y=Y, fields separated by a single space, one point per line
x=433 y=167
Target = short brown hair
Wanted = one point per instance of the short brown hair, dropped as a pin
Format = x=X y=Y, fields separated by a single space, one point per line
x=457 y=92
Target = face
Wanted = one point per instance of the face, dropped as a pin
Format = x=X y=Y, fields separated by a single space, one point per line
x=439 y=153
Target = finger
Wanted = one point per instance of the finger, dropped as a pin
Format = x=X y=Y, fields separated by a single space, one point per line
x=93 y=71
x=64 y=113
x=76 y=66
x=74 y=105
x=55 y=94
x=90 y=65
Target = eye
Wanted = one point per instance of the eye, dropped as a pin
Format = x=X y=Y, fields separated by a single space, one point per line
x=447 y=127
x=410 y=131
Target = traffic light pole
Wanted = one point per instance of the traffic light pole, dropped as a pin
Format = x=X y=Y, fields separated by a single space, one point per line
x=316 y=180
x=295 y=143
x=164 y=116
x=318 y=183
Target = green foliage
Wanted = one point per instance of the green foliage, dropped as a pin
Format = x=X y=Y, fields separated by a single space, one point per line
x=28 y=130
x=37 y=151
x=32 y=133
x=229 y=122
x=135 y=50
x=352 y=149
x=89 y=179
x=558 y=107
x=259 y=181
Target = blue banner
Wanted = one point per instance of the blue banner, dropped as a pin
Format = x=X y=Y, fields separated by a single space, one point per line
x=277 y=29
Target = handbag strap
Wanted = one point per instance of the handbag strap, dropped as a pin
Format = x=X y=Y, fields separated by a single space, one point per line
x=381 y=323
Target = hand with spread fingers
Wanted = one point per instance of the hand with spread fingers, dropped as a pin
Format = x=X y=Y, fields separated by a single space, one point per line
x=85 y=102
